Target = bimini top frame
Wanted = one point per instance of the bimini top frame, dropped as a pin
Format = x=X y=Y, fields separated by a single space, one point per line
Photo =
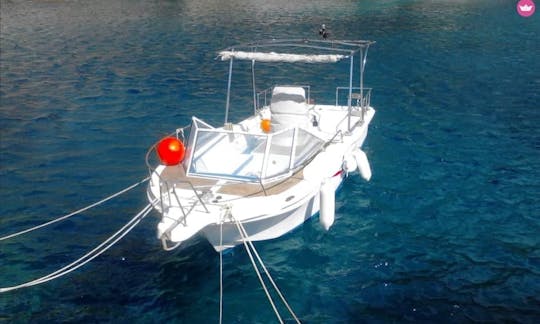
x=298 y=51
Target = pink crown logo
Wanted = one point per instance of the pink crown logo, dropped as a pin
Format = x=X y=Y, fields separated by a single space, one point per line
x=525 y=8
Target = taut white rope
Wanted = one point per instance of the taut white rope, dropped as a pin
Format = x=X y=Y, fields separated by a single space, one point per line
x=270 y=277
x=221 y=272
x=75 y=212
x=104 y=246
x=245 y=239
x=250 y=248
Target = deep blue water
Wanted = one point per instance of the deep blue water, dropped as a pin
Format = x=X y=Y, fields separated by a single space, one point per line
x=448 y=229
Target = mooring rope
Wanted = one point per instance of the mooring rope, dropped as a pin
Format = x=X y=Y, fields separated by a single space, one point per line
x=75 y=212
x=250 y=247
x=104 y=246
x=269 y=276
x=238 y=225
x=221 y=272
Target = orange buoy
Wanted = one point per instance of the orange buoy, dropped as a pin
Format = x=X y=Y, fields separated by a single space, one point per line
x=266 y=125
x=171 y=151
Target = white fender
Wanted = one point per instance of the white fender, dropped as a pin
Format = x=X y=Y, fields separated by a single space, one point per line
x=349 y=164
x=363 y=164
x=327 y=204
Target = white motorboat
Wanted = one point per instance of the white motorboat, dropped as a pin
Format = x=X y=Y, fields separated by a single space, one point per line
x=262 y=177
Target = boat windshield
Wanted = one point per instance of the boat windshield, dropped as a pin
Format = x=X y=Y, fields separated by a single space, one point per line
x=241 y=156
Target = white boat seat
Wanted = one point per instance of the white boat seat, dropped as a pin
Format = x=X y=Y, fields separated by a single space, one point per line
x=289 y=108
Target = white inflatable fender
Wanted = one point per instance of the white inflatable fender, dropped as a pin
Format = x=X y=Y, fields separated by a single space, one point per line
x=327 y=204
x=363 y=164
x=349 y=164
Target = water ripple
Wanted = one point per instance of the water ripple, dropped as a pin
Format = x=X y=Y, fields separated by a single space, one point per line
x=447 y=229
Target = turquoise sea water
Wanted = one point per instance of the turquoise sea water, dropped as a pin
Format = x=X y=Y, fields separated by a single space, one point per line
x=447 y=230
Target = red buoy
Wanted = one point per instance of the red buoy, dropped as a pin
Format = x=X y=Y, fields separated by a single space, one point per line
x=171 y=151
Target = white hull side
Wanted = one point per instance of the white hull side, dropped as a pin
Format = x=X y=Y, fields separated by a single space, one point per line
x=266 y=228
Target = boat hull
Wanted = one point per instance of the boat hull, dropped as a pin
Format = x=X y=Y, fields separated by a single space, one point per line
x=217 y=214
x=267 y=227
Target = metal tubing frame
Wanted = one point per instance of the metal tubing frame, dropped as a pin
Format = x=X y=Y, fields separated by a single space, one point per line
x=228 y=92
x=363 y=58
x=362 y=64
x=254 y=90
x=349 y=101
x=344 y=46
